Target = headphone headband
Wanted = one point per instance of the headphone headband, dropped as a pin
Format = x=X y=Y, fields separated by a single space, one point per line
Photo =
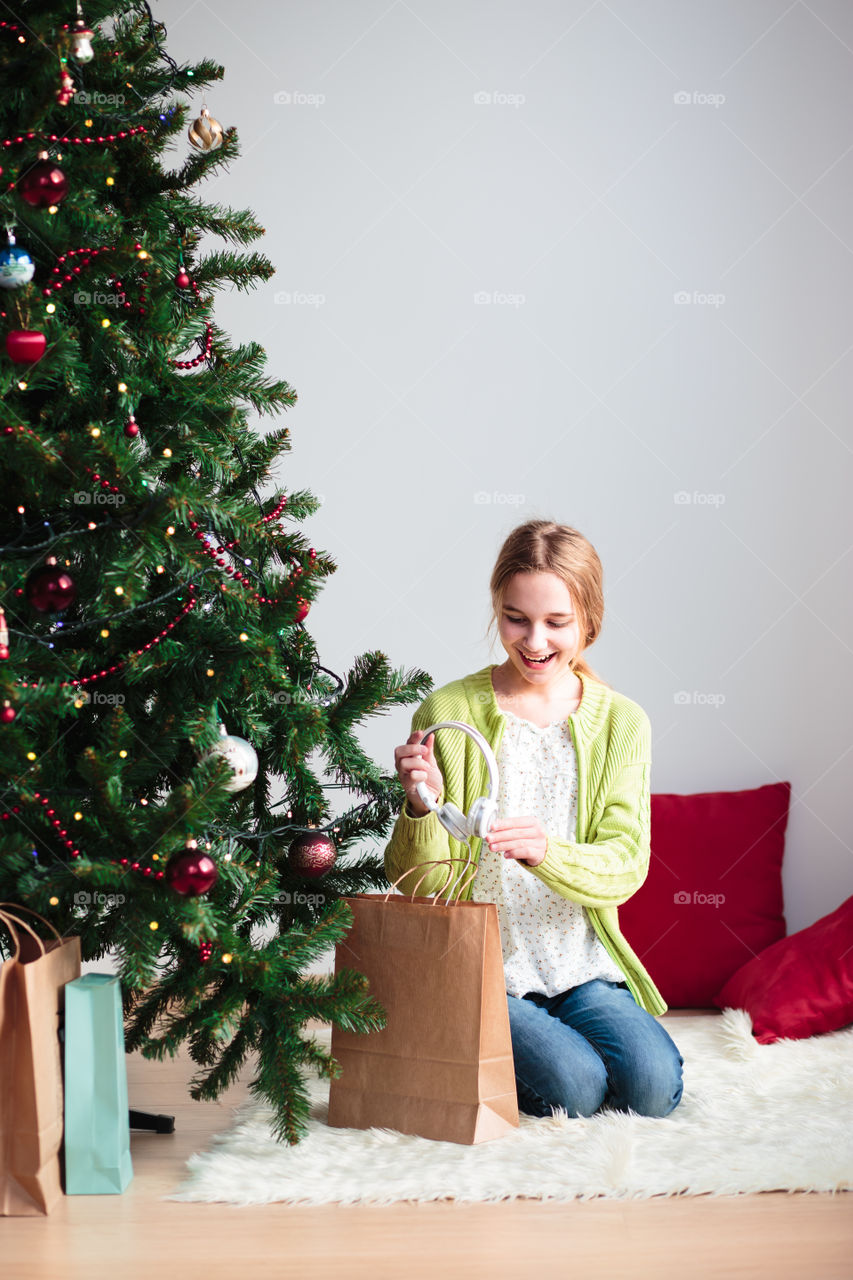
x=484 y=808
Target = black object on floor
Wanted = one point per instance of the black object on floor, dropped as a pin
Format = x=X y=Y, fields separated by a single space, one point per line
x=147 y=1120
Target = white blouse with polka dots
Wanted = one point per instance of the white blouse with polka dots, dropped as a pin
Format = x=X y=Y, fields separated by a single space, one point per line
x=549 y=943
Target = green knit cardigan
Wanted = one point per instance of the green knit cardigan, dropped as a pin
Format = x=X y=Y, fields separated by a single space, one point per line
x=610 y=858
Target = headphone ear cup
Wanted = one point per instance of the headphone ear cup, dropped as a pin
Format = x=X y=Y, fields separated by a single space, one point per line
x=482 y=815
x=453 y=820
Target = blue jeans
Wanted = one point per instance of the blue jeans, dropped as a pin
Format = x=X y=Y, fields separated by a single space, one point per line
x=589 y=1047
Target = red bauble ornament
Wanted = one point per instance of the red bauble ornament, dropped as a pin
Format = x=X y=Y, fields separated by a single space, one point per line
x=190 y=872
x=50 y=589
x=43 y=184
x=302 y=610
x=312 y=854
x=7 y=713
x=182 y=280
x=25 y=346
x=132 y=427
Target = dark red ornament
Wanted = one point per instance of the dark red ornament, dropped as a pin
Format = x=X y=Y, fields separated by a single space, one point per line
x=302 y=610
x=182 y=280
x=190 y=872
x=312 y=854
x=25 y=346
x=50 y=589
x=7 y=713
x=132 y=427
x=43 y=184
x=65 y=92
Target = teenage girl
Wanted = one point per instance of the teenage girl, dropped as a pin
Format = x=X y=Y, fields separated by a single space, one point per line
x=571 y=841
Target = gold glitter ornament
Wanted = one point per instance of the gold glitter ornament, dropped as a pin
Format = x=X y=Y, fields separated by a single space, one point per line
x=205 y=133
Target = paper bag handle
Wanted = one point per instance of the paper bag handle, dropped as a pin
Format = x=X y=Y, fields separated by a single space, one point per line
x=7 y=912
x=10 y=922
x=434 y=862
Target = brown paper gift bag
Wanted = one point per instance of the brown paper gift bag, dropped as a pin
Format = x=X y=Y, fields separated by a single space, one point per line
x=32 y=997
x=442 y=1066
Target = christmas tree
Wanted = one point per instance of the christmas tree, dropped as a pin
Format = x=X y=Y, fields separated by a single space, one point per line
x=160 y=695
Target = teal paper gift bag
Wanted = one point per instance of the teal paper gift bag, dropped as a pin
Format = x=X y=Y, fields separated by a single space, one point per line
x=97 y=1129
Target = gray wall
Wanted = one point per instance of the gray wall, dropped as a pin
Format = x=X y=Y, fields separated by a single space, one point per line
x=583 y=261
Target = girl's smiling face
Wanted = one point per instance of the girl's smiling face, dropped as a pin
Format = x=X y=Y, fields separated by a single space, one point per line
x=538 y=620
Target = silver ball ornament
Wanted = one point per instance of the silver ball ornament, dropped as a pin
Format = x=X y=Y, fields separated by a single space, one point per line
x=241 y=756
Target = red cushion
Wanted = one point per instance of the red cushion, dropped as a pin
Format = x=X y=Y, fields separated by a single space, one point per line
x=713 y=896
x=802 y=985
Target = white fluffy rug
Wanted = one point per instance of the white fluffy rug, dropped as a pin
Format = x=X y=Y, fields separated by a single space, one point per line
x=752 y=1118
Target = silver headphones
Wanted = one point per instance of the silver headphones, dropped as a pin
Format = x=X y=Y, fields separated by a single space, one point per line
x=484 y=810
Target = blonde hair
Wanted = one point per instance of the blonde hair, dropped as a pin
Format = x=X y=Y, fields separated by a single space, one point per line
x=543 y=546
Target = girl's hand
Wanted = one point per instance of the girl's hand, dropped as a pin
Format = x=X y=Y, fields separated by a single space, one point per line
x=521 y=838
x=415 y=763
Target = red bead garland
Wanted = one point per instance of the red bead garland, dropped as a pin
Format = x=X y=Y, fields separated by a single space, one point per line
x=62 y=834
x=19 y=426
x=277 y=512
x=105 y=484
x=208 y=334
x=61 y=138
x=127 y=305
x=216 y=553
x=10 y=431
x=134 y=866
x=61 y=831
x=87 y=255
x=208 y=343
x=79 y=682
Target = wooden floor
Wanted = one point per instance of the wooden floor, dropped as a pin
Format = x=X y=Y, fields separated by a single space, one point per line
x=140 y=1235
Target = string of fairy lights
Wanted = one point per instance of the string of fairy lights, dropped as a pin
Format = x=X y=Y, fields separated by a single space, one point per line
x=43 y=185
x=80 y=682
x=77 y=38
x=209 y=536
